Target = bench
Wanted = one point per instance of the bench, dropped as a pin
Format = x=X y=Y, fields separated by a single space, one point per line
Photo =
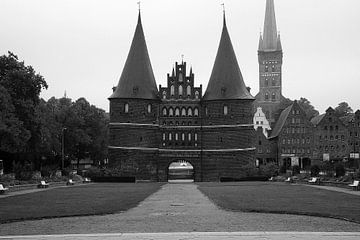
x=3 y=189
x=314 y=180
x=86 y=180
x=355 y=185
x=43 y=184
x=288 y=180
x=70 y=182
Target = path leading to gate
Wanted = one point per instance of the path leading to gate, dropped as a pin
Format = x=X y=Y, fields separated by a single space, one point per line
x=178 y=208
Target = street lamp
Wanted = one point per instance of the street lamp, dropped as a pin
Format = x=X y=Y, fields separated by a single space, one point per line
x=62 y=147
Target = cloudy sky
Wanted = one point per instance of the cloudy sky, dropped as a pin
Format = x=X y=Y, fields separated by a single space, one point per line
x=80 y=46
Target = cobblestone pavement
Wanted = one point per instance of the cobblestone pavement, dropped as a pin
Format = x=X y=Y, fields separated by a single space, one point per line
x=178 y=208
x=200 y=236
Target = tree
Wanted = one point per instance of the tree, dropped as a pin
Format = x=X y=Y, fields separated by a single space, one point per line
x=309 y=109
x=343 y=109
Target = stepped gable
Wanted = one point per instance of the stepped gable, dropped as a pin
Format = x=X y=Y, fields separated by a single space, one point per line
x=137 y=79
x=226 y=81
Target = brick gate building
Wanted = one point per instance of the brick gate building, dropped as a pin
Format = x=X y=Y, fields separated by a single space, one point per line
x=150 y=128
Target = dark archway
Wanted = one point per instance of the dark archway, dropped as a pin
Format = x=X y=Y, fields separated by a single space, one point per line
x=181 y=171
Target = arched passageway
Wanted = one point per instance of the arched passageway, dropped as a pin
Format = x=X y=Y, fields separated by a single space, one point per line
x=180 y=171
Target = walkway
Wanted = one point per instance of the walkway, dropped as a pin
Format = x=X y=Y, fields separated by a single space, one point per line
x=335 y=189
x=178 y=208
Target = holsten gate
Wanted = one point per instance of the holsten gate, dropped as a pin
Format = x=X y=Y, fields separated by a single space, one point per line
x=151 y=128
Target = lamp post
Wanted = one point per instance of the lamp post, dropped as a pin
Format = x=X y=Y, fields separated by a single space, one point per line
x=62 y=147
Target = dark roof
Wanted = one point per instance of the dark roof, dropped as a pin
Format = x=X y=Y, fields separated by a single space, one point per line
x=316 y=120
x=226 y=81
x=271 y=39
x=137 y=79
x=281 y=121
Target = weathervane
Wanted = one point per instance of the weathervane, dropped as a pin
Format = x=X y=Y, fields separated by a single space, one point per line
x=139 y=5
x=223 y=6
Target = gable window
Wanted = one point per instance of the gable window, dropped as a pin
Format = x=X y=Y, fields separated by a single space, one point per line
x=164 y=94
x=273 y=96
x=183 y=112
x=196 y=112
x=126 y=108
x=177 y=112
x=188 y=90
x=225 y=110
x=197 y=95
x=266 y=96
x=180 y=90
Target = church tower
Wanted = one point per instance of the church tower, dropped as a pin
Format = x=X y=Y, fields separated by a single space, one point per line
x=270 y=63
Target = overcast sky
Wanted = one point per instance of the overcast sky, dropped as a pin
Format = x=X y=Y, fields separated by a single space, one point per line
x=81 y=45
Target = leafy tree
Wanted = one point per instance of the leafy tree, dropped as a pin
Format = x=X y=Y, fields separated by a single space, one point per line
x=343 y=109
x=309 y=109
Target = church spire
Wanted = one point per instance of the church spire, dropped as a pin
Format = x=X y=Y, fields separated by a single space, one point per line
x=137 y=79
x=226 y=81
x=270 y=35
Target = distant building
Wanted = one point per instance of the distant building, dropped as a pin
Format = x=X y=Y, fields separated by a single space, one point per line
x=293 y=134
x=151 y=129
x=260 y=120
x=331 y=137
x=270 y=57
x=353 y=125
x=266 y=150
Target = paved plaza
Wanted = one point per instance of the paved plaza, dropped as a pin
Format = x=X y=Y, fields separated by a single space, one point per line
x=178 y=208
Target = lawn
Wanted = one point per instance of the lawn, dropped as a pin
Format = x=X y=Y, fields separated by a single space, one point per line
x=283 y=198
x=81 y=200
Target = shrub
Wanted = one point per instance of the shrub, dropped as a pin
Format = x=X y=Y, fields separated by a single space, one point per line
x=295 y=170
x=283 y=169
x=315 y=170
x=270 y=170
x=93 y=172
x=23 y=172
x=339 y=170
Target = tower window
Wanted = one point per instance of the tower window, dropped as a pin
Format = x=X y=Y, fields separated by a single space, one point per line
x=189 y=136
x=266 y=82
x=183 y=136
x=188 y=90
x=163 y=136
x=266 y=96
x=225 y=110
x=126 y=108
x=149 y=108
x=170 y=136
x=164 y=111
x=197 y=95
x=266 y=68
x=172 y=90
x=171 y=112
x=164 y=94
x=273 y=68
x=273 y=96
x=176 y=136
x=195 y=136
x=273 y=82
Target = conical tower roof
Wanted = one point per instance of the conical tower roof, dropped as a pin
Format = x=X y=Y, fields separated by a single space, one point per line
x=270 y=35
x=226 y=81
x=137 y=79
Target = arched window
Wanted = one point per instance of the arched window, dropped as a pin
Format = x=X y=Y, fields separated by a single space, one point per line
x=180 y=90
x=197 y=95
x=170 y=136
x=163 y=136
x=183 y=136
x=164 y=94
x=273 y=82
x=149 y=108
x=164 y=111
x=177 y=112
x=225 y=110
x=266 y=82
x=188 y=90
x=196 y=112
x=195 y=136
x=206 y=111
x=273 y=96
x=176 y=136
x=266 y=96
x=126 y=107
x=172 y=90
x=189 y=136
x=189 y=112
x=183 y=112
x=171 y=112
